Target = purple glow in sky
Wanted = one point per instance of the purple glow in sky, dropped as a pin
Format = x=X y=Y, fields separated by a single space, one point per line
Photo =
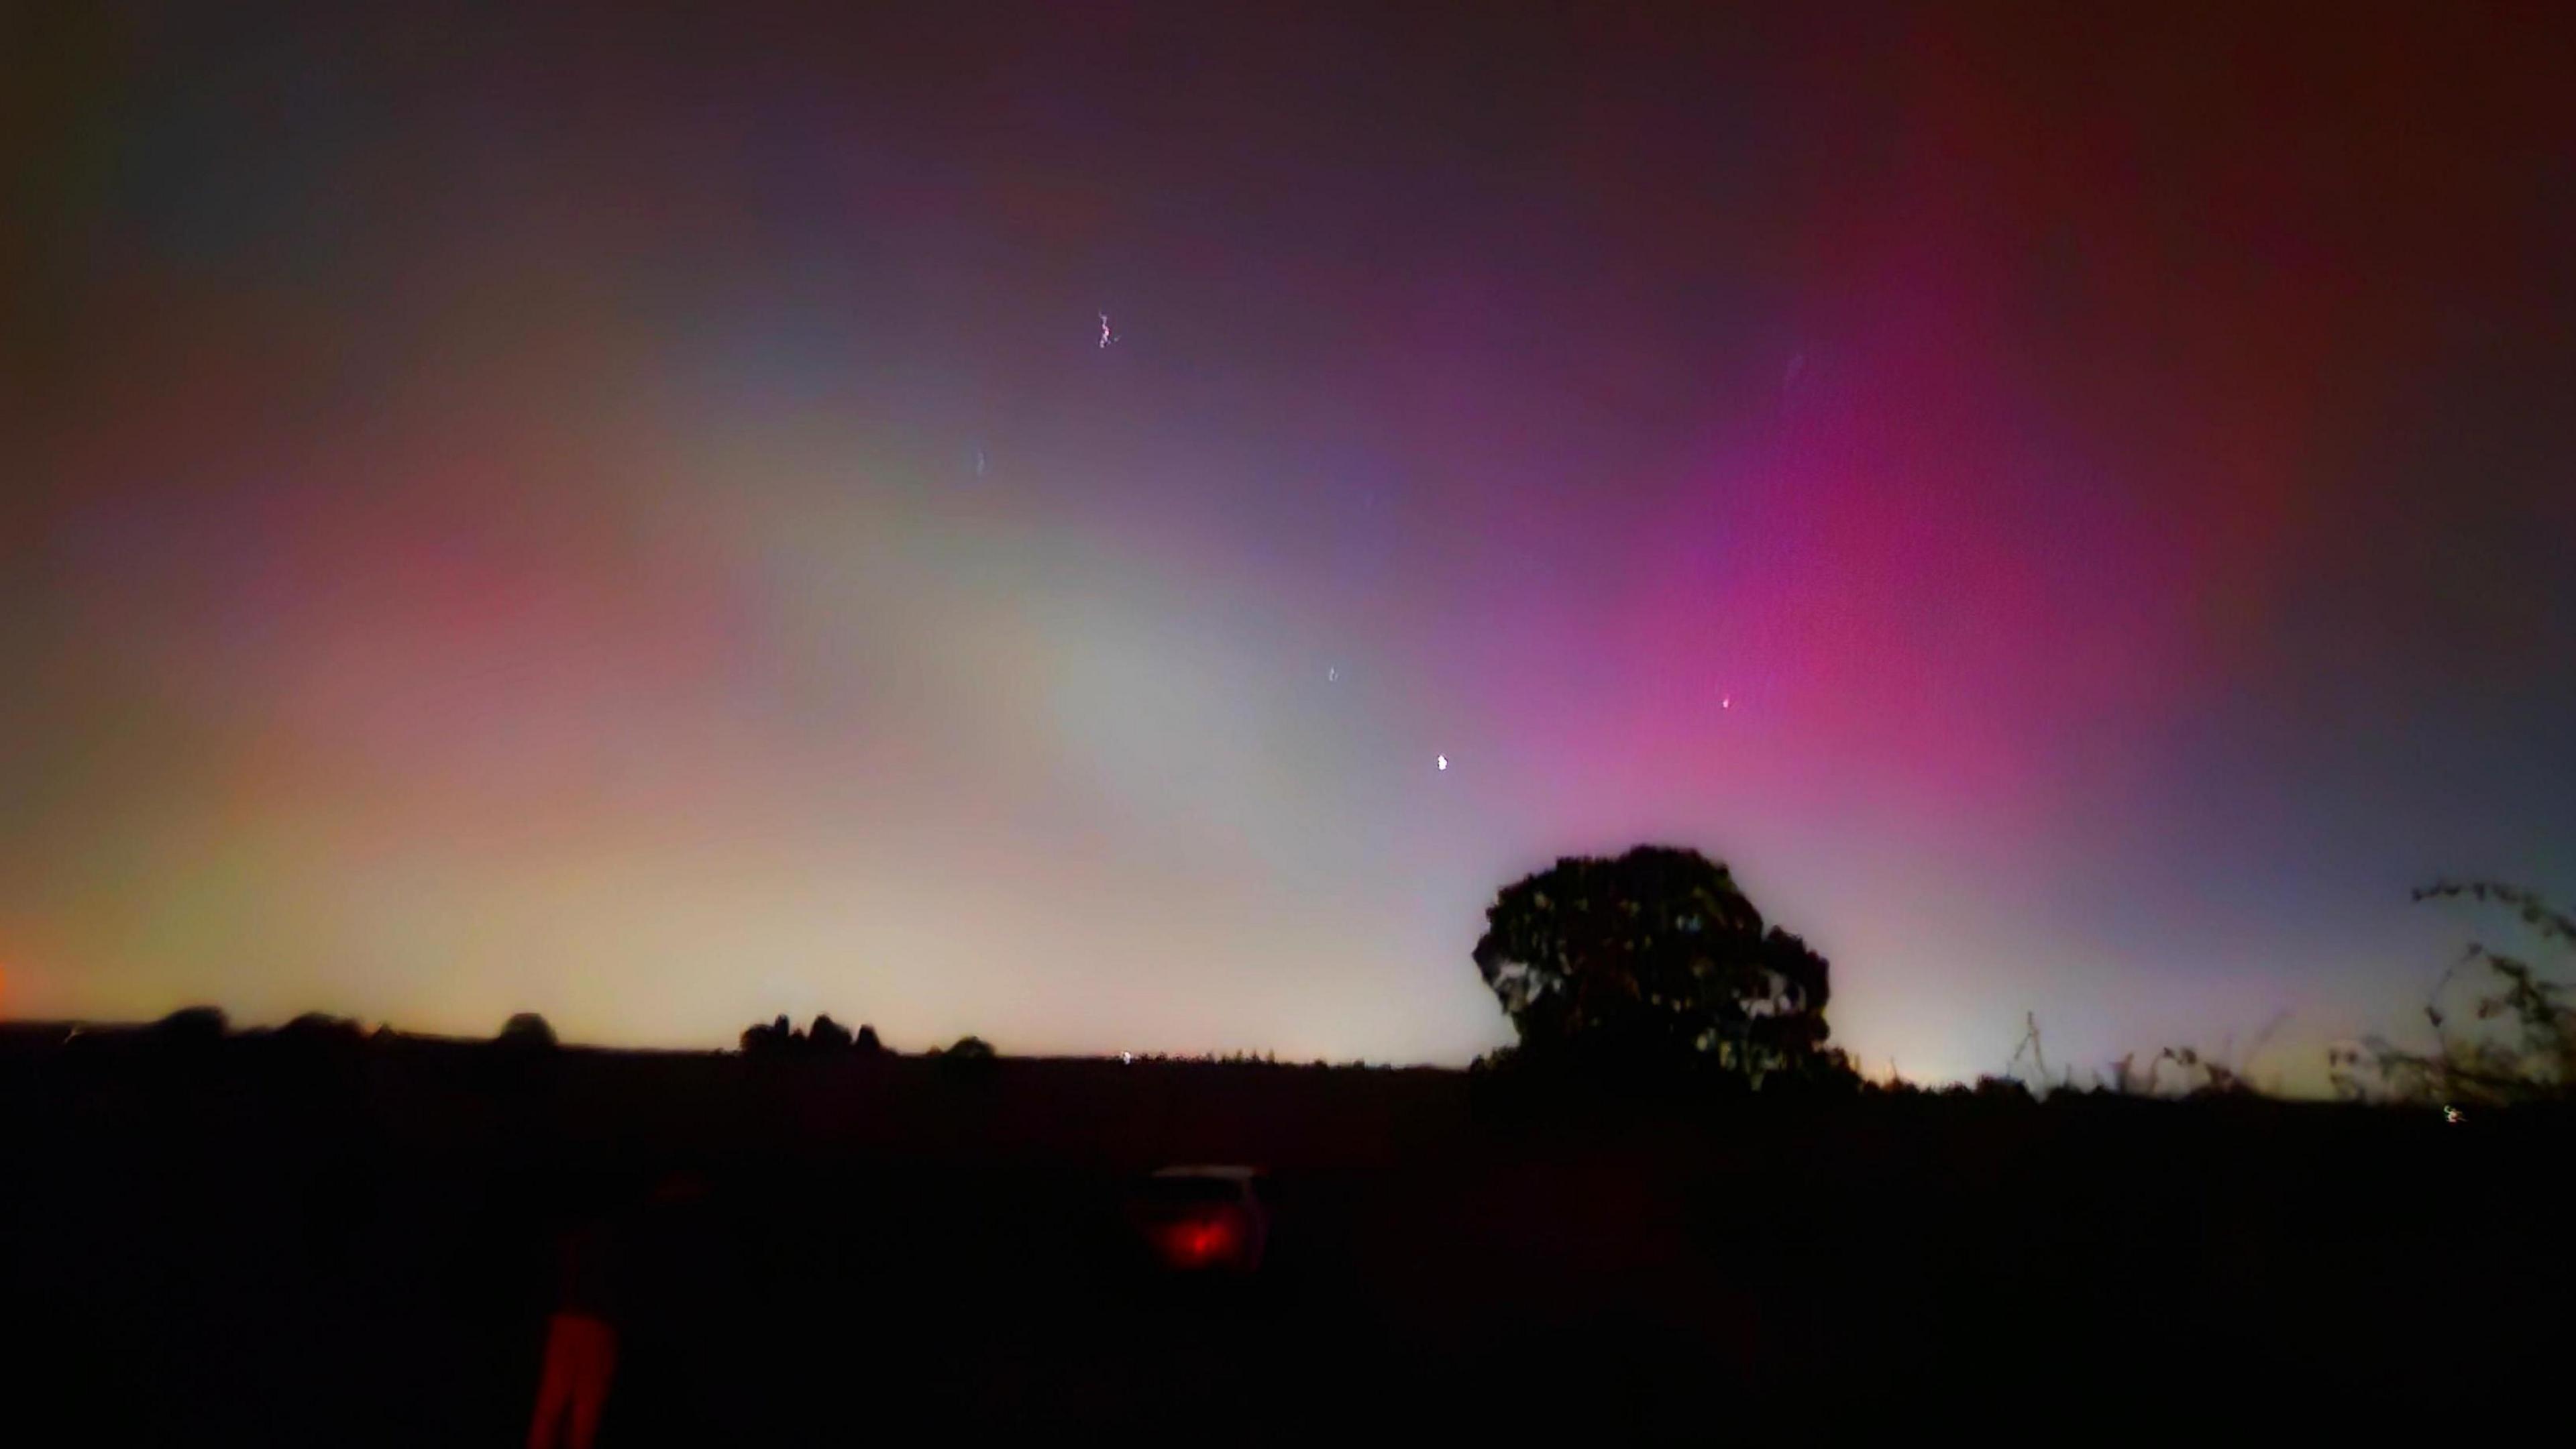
x=631 y=517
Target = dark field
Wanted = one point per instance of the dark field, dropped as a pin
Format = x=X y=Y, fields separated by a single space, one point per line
x=264 y=1240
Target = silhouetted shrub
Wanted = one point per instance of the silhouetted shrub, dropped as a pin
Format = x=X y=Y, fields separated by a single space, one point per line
x=527 y=1031
x=192 y=1026
x=523 y=1068
x=969 y=1058
x=2217 y=1079
x=867 y=1043
x=317 y=1026
x=2533 y=1061
x=318 y=1053
x=1824 y=1074
x=827 y=1036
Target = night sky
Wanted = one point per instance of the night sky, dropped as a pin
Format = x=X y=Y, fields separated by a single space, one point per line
x=631 y=518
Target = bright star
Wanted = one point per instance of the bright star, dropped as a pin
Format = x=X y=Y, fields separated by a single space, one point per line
x=1444 y=762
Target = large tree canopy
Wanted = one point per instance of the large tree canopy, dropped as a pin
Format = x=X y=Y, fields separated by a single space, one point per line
x=1653 y=958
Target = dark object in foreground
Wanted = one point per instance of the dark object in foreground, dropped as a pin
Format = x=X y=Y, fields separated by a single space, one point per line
x=1656 y=958
x=1203 y=1220
x=310 y=1239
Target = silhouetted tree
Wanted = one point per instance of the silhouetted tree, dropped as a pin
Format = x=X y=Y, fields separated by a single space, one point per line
x=1654 y=959
x=867 y=1044
x=774 y=1039
x=527 y=1031
x=827 y=1036
x=971 y=1048
x=193 y=1025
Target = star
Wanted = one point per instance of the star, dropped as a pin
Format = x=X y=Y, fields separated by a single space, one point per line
x=1444 y=762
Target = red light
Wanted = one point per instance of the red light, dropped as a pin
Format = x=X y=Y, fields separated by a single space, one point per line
x=1195 y=1243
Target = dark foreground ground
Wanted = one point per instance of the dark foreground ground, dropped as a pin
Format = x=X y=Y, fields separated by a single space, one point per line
x=336 y=1242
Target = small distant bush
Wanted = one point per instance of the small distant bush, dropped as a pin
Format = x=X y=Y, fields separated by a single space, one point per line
x=2000 y=1090
x=968 y=1059
x=2216 y=1078
x=193 y=1026
x=527 y=1031
x=826 y=1039
x=321 y=1026
x=317 y=1038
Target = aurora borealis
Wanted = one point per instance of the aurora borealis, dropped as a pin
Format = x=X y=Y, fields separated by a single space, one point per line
x=628 y=517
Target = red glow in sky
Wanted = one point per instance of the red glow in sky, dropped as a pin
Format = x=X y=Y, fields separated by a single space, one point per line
x=640 y=519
